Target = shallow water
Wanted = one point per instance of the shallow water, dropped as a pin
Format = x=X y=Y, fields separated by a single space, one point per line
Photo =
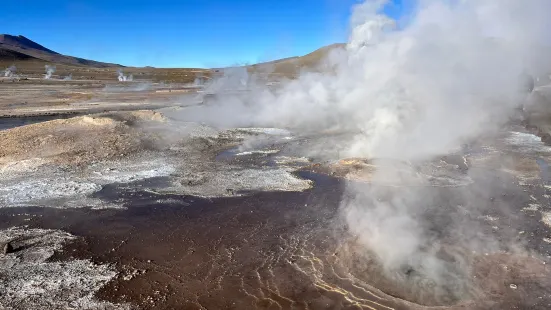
x=13 y=122
x=288 y=250
x=544 y=170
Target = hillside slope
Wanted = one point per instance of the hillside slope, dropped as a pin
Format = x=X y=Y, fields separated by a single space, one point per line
x=30 y=58
x=293 y=65
x=21 y=48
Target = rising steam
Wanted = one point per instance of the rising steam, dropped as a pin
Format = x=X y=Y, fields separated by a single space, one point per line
x=394 y=88
x=9 y=72
x=124 y=78
x=199 y=80
x=230 y=79
x=411 y=94
x=49 y=71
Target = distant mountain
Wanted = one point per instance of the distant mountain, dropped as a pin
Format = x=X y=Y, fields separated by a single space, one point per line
x=22 y=48
x=312 y=57
x=23 y=43
x=6 y=54
x=292 y=65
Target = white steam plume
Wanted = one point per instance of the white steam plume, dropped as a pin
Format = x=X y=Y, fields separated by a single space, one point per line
x=231 y=79
x=199 y=80
x=452 y=73
x=68 y=77
x=396 y=87
x=49 y=71
x=9 y=72
x=124 y=78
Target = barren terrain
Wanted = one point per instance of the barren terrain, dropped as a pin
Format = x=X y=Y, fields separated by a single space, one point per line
x=139 y=193
x=159 y=213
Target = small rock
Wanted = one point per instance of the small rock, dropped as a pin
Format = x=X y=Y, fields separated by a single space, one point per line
x=7 y=248
x=546 y=138
x=513 y=286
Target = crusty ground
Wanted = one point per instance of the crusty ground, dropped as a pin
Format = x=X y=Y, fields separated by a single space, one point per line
x=79 y=140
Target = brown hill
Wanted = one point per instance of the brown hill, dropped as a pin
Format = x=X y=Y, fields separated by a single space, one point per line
x=21 y=48
x=23 y=43
x=10 y=55
x=292 y=65
x=30 y=57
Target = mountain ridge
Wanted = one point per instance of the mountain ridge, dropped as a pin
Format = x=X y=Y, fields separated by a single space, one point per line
x=21 y=48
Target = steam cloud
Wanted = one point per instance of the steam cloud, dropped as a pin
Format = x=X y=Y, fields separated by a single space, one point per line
x=124 y=78
x=9 y=72
x=49 y=71
x=199 y=80
x=449 y=74
x=452 y=74
x=68 y=77
x=231 y=79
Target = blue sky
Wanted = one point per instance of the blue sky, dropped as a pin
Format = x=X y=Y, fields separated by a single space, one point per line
x=184 y=33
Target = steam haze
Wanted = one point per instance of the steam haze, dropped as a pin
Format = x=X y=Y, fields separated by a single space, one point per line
x=9 y=72
x=50 y=70
x=124 y=78
x=400 y=88
x=449 y=76
x=405 y=169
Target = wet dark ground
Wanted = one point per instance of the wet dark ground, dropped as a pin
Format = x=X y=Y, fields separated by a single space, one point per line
x=285 y=250
x=196 y=252
x=12 y=122
x=292 y=250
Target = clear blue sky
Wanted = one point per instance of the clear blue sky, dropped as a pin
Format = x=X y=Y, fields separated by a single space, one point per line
x=184 y=33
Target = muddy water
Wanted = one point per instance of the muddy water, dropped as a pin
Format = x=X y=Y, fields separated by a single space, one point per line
x=276 y=250
x=9 y=122
x=292 y=250
x=214 y=253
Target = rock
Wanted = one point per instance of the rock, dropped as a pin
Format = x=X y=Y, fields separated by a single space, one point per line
x=7 y=248
x=546 y=138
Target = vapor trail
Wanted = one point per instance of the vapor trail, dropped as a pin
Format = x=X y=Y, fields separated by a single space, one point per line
x=9 y=72
x=124 y=78
x=49 y=71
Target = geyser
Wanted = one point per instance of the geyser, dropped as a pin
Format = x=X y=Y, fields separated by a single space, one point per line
x=124 y=78
x=9 y=72
x=49 y=71
x=448 y=74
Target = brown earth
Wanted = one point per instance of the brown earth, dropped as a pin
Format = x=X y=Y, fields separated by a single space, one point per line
x=265 y=251
x=20 y=45
x=30 y=57
x=79 y=140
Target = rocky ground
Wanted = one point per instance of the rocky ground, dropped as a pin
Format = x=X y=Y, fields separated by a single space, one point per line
x=40 y=97
x=138 y=209
x=30 y=280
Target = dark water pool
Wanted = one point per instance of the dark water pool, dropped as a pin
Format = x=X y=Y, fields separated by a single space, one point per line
x=544 y=169
x=12 y=122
